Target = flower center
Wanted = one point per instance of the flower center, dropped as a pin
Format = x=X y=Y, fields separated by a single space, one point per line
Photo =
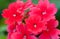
x=14 y=15
x=44 y=13
x=35 y=25
x=24 y=37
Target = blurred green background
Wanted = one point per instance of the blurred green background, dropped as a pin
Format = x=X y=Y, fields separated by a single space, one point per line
x=4 y=4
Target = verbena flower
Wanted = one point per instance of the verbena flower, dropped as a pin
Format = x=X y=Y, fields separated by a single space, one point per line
x=17 y=35
x=26 y=20
x=35 y=25
x=14 y=12
x=45 y=9
x=50 y=34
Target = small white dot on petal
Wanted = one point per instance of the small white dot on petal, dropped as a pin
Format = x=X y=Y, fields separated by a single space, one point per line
x=14 y=15
x=24 y=37
x=44 y=13
x=35 y=26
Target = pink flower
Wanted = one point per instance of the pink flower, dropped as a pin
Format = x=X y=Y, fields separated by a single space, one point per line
x=47 y=7
x=14 y=13
x=9 y=35
x=44 y=9
x=17 y=35
x=50 y=34
x=53 y=23
x=20 y=28
x=11 y=28
x=35 y=25
x=38 y=22
x=30 y=37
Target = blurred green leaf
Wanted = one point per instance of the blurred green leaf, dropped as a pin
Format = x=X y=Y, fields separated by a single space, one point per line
x=3 y=37
x=35 y=1
x=2 y=28
x=4 y=3
x=2 y=22
x=57 y=2
x=24 y=0
x=58 y=15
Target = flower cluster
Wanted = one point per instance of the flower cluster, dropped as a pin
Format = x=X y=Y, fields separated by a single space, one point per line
x=26 y=20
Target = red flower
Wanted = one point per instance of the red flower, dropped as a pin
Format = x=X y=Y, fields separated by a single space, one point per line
x=9 y=35
x=17 y=35
x=34 y=24
x=50 y=34
x=20 y=28
x=27 y=21
x=47 y=7
x=14 y=13
x=11 y=28
x=53 y=23
x=44 y=9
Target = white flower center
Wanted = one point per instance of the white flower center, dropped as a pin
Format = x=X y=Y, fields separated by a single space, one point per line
x=44 y=13
x=24 y=37
x=14 y=15
x=35 y=26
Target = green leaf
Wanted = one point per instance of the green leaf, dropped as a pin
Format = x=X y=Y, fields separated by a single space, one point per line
x=2 y=22
x=57 y=2
x=35 y=1
x=24 y=0
x=3 y=37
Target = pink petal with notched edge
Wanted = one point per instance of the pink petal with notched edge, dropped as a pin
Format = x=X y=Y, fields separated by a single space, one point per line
x=11 y=28
x=44 y=35
x=9 y=35
x=32 y=37
x=53 y=23
x=5 y=13
x=16 y=35
x=20 y=28
x=54 y=34
x=50 y=34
